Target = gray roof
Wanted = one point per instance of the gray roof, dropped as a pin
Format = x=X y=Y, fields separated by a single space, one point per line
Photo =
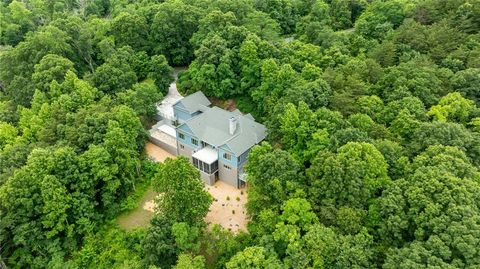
x=212 y=126
x=194 y=102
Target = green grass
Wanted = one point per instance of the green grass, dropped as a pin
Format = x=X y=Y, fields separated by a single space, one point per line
x=136 y=216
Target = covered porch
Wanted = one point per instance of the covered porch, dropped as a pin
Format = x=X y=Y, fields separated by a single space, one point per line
x=206 y=161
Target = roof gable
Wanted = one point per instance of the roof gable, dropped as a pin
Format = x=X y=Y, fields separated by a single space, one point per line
x=179 y=104
x=183 y=127
x=193 y=102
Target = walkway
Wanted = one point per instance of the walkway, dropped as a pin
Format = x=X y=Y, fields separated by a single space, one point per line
x=164 y=107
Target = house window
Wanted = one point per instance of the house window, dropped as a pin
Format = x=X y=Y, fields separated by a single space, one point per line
x=204 y=144
x=182 y=146
x=181 y=136
x=195 y=141
x=227 y=156
x=227 y=167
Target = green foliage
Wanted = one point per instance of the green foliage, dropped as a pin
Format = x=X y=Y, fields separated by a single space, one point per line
x=8 y=134
x=108 y=248
x=253 y=257
x=130 y=30
x=51 y=67
x=141 y=98
x=431 y=191
x=183 y=197
x=186 y=261
x=159 y=244
x=352 y=177
x=161 y=73
x=373 y=132
x=379 y=18
x=172 y=27
x=273 y=177
x=453 y=107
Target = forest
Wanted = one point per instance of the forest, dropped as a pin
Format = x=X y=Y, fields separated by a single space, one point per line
x=373 y=115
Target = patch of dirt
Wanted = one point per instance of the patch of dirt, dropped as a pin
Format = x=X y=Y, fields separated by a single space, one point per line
x=156 y=153
x=228 y=104
x=228 y=207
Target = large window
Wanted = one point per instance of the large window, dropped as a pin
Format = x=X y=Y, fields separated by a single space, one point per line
x=227 y=156
x=182 y=136
x=195 y=141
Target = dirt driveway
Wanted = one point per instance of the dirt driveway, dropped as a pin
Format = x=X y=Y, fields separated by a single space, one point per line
x=157 y=153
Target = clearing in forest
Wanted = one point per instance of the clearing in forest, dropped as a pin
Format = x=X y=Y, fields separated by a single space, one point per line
x=227 y=209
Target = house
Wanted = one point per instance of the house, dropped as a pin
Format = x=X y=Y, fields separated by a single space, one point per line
x=216 y=141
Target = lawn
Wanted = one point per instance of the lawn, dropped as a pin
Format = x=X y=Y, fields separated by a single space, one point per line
x=138 y=217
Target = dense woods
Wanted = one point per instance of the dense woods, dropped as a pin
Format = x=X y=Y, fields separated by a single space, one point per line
x=371 y=160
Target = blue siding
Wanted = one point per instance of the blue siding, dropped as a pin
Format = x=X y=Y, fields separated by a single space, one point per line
x=185 y=129
x=181 y=114
x=243 y=158
x=233 y=159
x=188 y=140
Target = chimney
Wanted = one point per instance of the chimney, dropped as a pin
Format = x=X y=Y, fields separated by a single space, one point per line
x=232 y=124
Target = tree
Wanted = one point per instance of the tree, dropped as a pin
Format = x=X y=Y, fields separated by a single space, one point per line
x=187 y=261
x=296 y=128
x=17 y=21
x=161 y=73
x=411 y=105
x=20 y=91
x=273 y=175
x=466 y=82
x=114 y=77
x=214 y=69
x=159 y=243
x=326 y=249
x=142 y=98
x=440 y=133
x=380 y=18
x=186 y=237
x=172 y=27
x=352 y=177
x=130 y=29
x=20 y=61
x=298 y=212
x=396 y=157
x=262 y=25
x=8 y=134
x=183 y=197
x=414 y=78
x=439 y=237
x=253 y=257
x=51 y=67
x=315 y=94
x=404 y=126
x=453 y=107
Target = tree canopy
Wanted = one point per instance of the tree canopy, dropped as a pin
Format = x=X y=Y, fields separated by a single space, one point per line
x=371 y=158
